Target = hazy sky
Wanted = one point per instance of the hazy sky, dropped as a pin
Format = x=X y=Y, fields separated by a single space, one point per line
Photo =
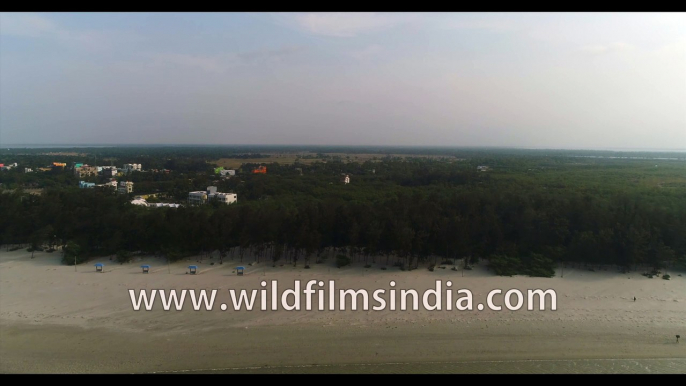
x=555 y=80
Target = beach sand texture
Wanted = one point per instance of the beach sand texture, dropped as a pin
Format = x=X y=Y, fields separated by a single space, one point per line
x=56 y=320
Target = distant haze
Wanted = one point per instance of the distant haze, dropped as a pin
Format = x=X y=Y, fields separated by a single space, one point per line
x=553 y=80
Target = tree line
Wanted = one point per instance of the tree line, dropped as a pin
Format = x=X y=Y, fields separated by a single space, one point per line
x=409 y=212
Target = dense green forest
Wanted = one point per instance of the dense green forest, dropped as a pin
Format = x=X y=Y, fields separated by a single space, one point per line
x=530 y=212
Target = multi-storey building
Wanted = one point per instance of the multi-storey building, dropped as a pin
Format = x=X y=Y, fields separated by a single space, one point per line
x=132 y=168
x=125 y=187
x=86 y=171
x=203 y=196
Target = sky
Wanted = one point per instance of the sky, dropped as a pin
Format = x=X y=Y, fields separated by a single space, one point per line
x=531 y=80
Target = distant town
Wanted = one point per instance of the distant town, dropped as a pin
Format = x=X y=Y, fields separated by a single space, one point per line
x=117 y=181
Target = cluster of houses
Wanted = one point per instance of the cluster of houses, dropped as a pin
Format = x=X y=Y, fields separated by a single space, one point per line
x=84 y=170
x=81 y=170
x=8 y=167
x=204 y=196
x=12 y=166
x=199 y=197
x=143 y=202
x=123 y=187
x=194 y=198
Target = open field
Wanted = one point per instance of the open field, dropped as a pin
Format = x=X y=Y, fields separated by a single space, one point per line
x=235 y=163
x=288 y=159
x=61 y=153
x=363 y=157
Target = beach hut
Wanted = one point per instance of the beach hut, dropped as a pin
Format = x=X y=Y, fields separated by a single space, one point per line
x=146 y=268
x=99 y=267
x=239 y=271
x=193 y=269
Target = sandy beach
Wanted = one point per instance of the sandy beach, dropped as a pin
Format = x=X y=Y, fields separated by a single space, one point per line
x=57 y=320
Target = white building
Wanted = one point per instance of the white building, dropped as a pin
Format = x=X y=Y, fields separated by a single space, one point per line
x=142 y=202
x=163 y=205
x=132 y=168
x=125 y=187
x=345 y=179
x=139 y=201
x=112 y=184
x=483 y=168
x=198 y=197
x=28 y=170
x=203 y=196
x=226 y=172
x=10 y=166
x=226 y=198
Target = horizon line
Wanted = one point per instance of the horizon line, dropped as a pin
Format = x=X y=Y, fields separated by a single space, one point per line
x=86 y=145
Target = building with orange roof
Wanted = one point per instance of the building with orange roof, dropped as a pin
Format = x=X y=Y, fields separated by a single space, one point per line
x=260 y=170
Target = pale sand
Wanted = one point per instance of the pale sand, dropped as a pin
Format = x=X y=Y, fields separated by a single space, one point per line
x=56 y=320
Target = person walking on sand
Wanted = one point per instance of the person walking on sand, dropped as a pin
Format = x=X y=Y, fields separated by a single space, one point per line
x=677 y=338
x=634 y=298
